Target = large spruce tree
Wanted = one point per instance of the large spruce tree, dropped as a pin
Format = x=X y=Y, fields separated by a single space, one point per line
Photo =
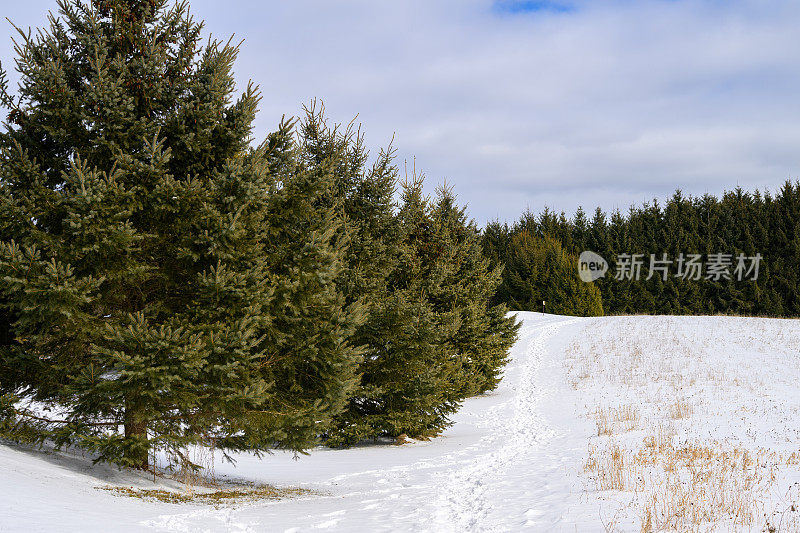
x=412 y=377
x=484 y=333
x=162 y=283
x=432 y=337
x=429 y=337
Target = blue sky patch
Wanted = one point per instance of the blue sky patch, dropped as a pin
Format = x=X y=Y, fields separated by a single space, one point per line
x=532 y=6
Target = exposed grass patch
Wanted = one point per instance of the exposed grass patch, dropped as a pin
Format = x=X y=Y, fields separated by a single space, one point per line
x=617 y=419
x=688 y=485
x=680 y=409
x=217 y=497
x=688 y=442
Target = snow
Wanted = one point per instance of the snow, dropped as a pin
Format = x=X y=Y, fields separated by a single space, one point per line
x=515 y=459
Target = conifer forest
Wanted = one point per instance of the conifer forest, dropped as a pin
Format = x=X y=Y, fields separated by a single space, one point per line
x=207 y=324
x=166 y=282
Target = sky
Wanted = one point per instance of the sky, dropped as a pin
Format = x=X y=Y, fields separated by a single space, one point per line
x=522 y=104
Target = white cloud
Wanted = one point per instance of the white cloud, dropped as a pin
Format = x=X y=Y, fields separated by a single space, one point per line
x=613 y=103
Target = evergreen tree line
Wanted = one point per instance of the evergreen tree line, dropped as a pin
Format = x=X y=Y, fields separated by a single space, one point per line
x=739 y=222
x=164 y=282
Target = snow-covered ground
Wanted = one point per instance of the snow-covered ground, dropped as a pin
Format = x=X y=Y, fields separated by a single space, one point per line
x=597 y=425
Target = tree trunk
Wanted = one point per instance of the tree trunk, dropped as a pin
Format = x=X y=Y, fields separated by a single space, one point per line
x=137 y=455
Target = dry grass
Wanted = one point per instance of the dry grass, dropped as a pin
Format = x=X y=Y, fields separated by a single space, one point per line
x=617 y=419
x=193 y=469
x=685 y=486
x=786 y=518
x=680 y=480
x=647 y=522
x=608 y=467
x=217 y=497
x=679 y=409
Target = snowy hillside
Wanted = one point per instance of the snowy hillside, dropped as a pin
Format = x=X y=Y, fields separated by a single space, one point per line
x=618 y=423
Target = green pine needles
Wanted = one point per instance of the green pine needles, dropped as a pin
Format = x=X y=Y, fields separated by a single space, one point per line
x=165 y=283
x=737 y=223
x=538 y=269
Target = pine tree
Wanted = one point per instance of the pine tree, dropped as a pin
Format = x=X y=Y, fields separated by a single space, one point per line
x=495 y=239
x=431 y=339
x=485 y=333
x=580 y=231
x=362 y=198
x=537 y=270
x=167 y=284
x=310 y=337
x=428 y=338
x=737 y=223
x=409 y=379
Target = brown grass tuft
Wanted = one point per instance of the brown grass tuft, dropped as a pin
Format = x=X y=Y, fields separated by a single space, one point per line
x=617 y=419
x=686 y=486
x=218 y=497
